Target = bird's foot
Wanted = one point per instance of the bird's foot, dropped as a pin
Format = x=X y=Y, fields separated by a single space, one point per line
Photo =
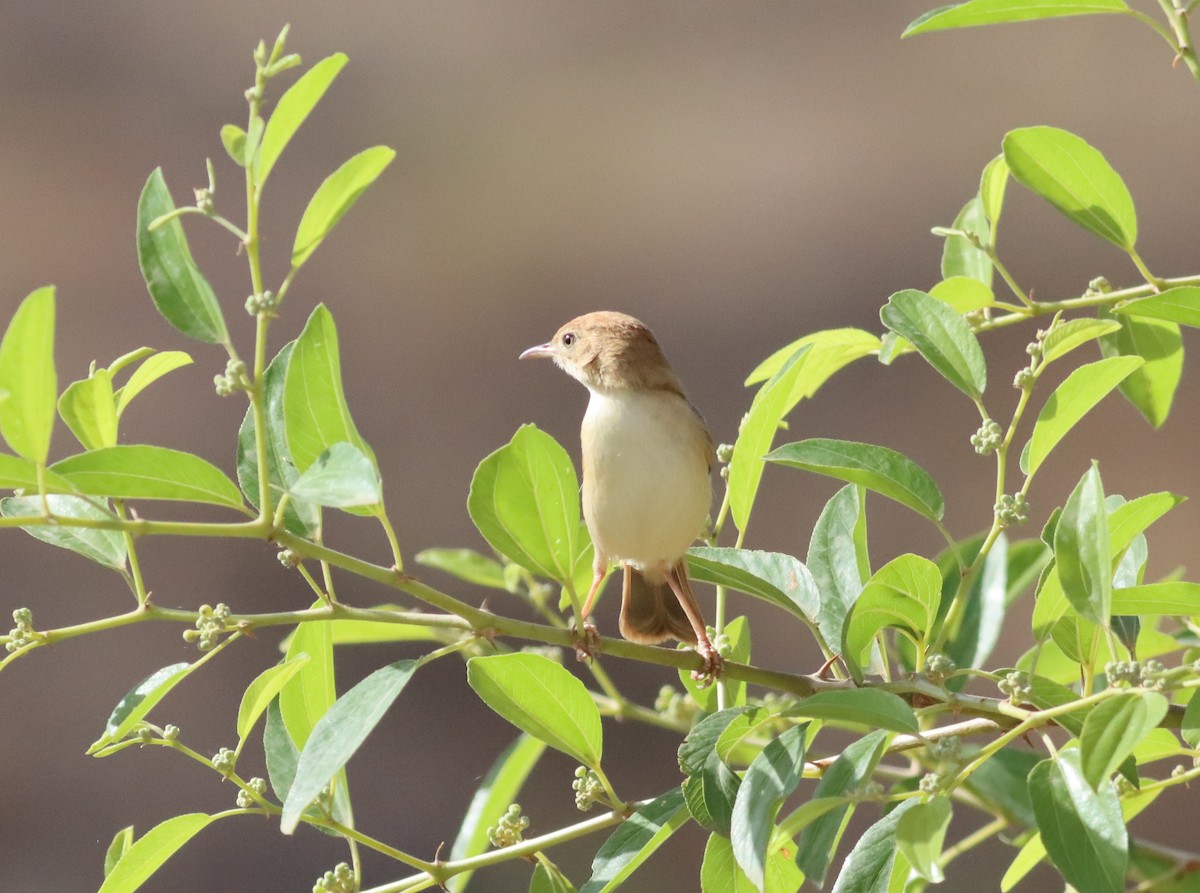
x=587 y=643
x=714 y=664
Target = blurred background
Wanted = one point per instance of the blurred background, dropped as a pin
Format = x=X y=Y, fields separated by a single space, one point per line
x=736 y=175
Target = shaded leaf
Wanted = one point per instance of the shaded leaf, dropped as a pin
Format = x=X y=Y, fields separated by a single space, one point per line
x=139 y=701
x=837 y=560
x=1175 y=599
x=499 y=788
x=120 y=845
x=1112 y=730
x=963 y=294
x=719 y=873
x=871 y=707
x=263 y=690
x=1067 y=336
x=941 y=336
x=180 y=291
x=772 y=776
x=1083 y=831
x=920 y=834
x=1082 y=551
x=306 y=697
x=992 y=185
x=106 y=547
x=339 y=733
x=959 y=256
x=635 y=841
x=465 y=564
x=771 y=576
x=868 y=867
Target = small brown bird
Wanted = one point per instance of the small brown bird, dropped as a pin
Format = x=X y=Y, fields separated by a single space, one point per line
x=647 y=458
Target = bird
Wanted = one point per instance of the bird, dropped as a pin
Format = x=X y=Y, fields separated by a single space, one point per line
x=647 y=488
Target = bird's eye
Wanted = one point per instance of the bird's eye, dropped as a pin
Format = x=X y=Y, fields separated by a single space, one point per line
x=568 y=339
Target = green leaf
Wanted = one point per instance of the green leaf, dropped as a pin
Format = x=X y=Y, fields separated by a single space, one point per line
x=979 y=630
x=829 y=351
x=1189 y=726
x=465 y=564
x=877 y=468
x=1072 y=400
x=635 y=841
x=106 y=547
x=299 y=517
x=542 y=698
x=1112 y=730
x=771 y=576
x=340 y=477
x=152 y=369
x=262 y=691
x=1181 y=305
x=904 y=594
x=339 y=733
x=524 y=499
x=1083 y=831
x=871 y=707
x=837 y=561
x=120 y=845
x=148 y=472
x=17 y=473
x=991 y=12
x=280 y=753
x=710 y=794
x=772 y=776
x=335 y=196
x=291 y=111
x=719 y=873
x=701 y=740
x=27 y=375
x=757 y=432
x=1003 y=783
x=151 y=850
x=868 y=867
x=138 y=702
x=941 y=336
x=306 y=697
x=1075 y=178
x=1175 y=599
x=233 y=138
x=959 y=256
x=920 y=834
x=314 y=404
x=1064 y=338
x=88 y=408
x=180 y=291
x=1082 y=551
x=1150 y=388
x=547 y=878
x=963 y=294
x=838 y=786
x=992 y=185
x=498 y=789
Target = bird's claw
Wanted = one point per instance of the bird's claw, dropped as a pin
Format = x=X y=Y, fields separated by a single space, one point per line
x=714 y=665
x=587 y=643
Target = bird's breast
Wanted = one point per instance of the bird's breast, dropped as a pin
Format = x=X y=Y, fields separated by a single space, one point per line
x=646 y=486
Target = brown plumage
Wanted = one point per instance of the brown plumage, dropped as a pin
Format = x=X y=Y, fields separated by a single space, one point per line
x=646 y=460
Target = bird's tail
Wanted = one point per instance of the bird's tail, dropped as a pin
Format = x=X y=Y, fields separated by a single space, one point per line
x=650 y=612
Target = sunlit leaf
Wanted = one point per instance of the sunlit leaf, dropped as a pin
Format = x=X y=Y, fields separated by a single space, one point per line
x=991 y=12
x=148 y=472
x=1082 y=550
x=1150 y=388
x=340 y=477
x=335 y=196
x=1180 y=304
x=88 y=408
x=960 y=257
x=151 y=850
x=903 y=594
x=291 y=111
x=151 y=369
x=1114 y=728
x=941 y=336
x=106 y=547
x=772 y=776
x=28 y=378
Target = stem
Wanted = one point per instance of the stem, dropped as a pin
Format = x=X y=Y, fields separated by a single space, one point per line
x=1182 y=42
x=385 y=522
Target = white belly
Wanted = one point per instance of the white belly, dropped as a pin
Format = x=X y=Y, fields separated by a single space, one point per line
x=646 y=486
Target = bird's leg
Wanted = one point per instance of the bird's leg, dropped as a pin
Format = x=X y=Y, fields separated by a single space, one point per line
x=587 y=636
x=713 y=664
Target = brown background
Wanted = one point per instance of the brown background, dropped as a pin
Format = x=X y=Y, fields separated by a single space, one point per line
x=736 y=174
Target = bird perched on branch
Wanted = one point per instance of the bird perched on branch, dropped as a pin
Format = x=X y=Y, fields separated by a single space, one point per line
x=647 y=457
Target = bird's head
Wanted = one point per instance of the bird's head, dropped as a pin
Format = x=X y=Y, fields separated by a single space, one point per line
x=608 y=351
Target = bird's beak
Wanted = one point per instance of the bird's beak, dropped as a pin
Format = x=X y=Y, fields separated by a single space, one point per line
x=542 y=350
